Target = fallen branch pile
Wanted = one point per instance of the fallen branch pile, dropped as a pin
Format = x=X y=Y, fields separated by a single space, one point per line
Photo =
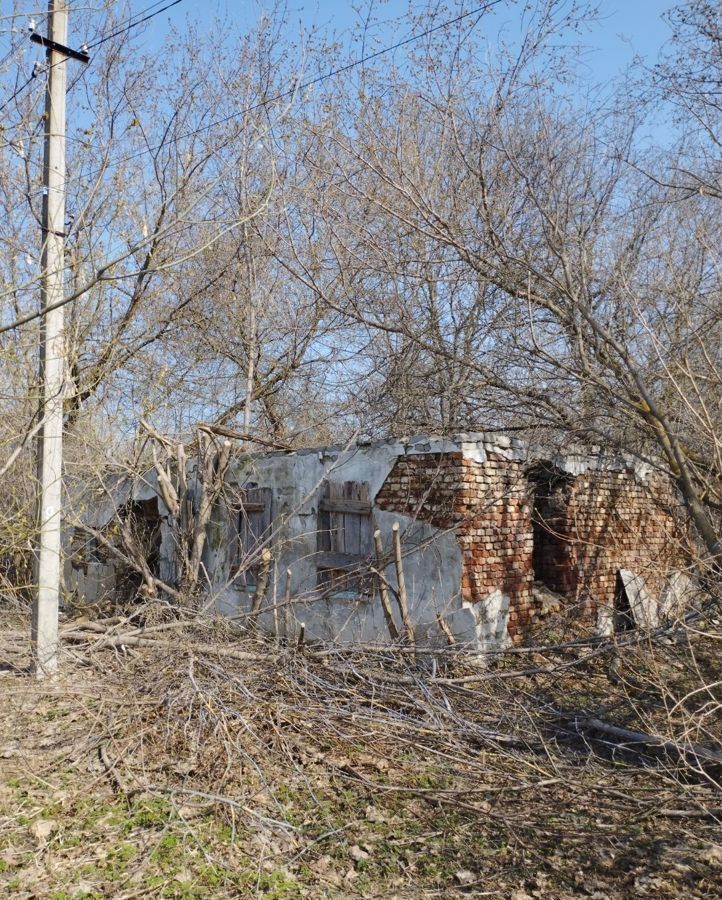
x=329 y=755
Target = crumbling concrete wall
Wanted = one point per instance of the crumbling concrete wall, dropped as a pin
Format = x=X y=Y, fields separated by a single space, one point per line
x=466 y=531
x=92 y=572
x=432 y=558
x=481 y=516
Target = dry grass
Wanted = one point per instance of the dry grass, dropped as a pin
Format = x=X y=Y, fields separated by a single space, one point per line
x=207 y=765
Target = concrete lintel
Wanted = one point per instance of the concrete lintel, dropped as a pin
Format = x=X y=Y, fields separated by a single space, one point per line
x=474 y=451
x=596 y=460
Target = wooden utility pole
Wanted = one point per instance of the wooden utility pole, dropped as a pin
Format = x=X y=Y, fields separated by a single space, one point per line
x=52 y=343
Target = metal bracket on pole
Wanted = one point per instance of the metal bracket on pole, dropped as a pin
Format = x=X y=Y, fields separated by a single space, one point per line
x=80 y=55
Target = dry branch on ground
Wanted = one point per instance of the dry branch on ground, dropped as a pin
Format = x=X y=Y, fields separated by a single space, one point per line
x=194 y=762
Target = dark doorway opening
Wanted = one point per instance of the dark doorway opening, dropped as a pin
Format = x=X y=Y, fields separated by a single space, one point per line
x=550 y=502
x=144 y=525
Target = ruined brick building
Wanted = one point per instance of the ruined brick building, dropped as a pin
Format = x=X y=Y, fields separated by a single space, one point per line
x=483 y=517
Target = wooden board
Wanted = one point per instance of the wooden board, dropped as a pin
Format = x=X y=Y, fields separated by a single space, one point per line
x=328 y=559
x=344 y=522
x=254 y=528
x=345 y=505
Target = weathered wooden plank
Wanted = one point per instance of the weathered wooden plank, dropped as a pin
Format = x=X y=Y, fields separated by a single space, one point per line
x=344 y=518
x=254 y=527
x=249 y=507
x=334 y=560
x=323 y=535
x=336 y=535
x=352 y=533
x=345 y=505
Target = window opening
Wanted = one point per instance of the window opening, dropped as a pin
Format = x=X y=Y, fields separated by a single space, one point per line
x=344 y=539
x=254 y=528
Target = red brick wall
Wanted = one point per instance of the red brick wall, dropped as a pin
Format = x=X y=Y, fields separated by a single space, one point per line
x=586 y=528
x=599 y=522
x=487 y=506
x=426 y=486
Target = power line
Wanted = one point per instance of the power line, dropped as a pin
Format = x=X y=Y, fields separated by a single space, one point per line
x=280 y=96
x=296 y=87
x=127 y=26
x=132 y=24
x=36 y=72
x=23 y=320
x=17 y=92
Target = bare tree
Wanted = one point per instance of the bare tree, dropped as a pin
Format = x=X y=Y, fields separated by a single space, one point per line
x=482 y=218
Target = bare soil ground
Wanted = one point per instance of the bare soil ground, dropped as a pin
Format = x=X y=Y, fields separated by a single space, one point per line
x=205 y=765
